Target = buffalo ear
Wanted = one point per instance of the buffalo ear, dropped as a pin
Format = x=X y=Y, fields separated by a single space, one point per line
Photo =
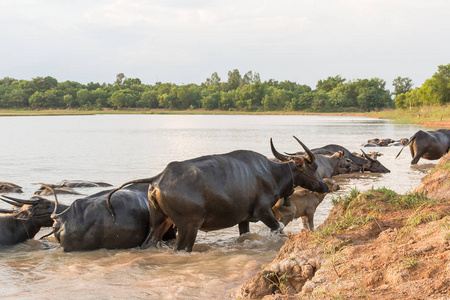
x=23 y=215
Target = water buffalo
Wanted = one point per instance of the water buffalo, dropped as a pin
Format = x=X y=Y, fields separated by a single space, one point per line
x=21 y=224
x=8 y=187
x=87 y=224
x=218 y=191
x=83 y=184
x=385 y=142
x=66 y=187
x=428 y=144
x=303 y=203
x=373 y=154
x=363 y=164
x=42 y=191
x=332 y=164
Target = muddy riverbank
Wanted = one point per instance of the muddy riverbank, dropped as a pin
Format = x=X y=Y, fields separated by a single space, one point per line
x=375 y=245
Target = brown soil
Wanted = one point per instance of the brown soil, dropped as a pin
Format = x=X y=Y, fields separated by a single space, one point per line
x=440 y=124
x=399 y=251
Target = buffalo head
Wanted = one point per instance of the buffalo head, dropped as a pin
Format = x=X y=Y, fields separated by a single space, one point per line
x=36 y=207
x=305 y=172
x=373 y=165
x=8 y=187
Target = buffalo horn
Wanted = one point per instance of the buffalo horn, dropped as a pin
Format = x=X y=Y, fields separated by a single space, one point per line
x=367 y=156
x=11 y=202
x=56 y=199
x=6 y=211
x=311 y=158
x=277 y=154
x=21 y=201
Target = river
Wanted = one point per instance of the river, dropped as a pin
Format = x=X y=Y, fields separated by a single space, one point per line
x=119 y=148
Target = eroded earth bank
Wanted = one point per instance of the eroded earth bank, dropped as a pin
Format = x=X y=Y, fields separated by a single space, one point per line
x=374 y=245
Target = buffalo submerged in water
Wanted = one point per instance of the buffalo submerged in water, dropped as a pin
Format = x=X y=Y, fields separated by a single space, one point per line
x=26 y=219
x=219 y=191
x=87 y=224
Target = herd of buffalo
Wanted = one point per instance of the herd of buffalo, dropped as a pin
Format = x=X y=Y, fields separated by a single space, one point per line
x=206 y=193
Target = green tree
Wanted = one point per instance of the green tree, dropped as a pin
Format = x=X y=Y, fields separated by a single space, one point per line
x=149 y=99
x=36 y=100
x=227 y=100
x=213 y=80
x=45 y=83
x=69 y=101
x=84 y=98
x=189 y=96
x=440 y=85
x=211 y=101
x=234 y=80
x=330 y=83
x=123 y=98
x=169 y=100
x=402 y=85
x=119 y=79
x=99 y=97
x=302 y=101
x=319 y=100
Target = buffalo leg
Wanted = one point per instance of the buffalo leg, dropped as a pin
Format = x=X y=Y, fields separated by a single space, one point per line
x=414 y=153
x=244 y=227
x=187 y=235
x=159 y=224
x=266 y=216
x=156 y=233
x=305 y=222
x=416 y=157
x=310 y=215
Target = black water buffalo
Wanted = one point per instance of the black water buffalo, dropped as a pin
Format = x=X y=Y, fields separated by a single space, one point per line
x=218 y=191
x=67 y=187
x=428 y=144
x=42 y=191
x=83 y=184
x=87 y=224
x=332 y=164
x=21 y=224
x=363 y=164
x=8 y=187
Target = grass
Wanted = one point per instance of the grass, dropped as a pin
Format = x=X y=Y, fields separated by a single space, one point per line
x=410 y=262
x=278 y=281
x=358 y=209
x=415 y=115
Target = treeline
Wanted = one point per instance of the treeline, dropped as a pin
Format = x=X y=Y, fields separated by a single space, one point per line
x=241 y=93
x=435 y=91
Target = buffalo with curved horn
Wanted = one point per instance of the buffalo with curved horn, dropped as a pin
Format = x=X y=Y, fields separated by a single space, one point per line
x=18 y=225
x=219 y=191
x=357 y=163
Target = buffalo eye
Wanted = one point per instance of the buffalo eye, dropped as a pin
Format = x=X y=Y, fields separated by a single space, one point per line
x=299 y=162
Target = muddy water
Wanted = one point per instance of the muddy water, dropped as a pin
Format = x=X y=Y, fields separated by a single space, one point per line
x=118 y=148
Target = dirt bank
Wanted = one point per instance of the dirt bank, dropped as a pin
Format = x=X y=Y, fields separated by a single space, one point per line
x=377 y=245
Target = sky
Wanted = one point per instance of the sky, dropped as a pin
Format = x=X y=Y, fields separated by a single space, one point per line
x=186 y=41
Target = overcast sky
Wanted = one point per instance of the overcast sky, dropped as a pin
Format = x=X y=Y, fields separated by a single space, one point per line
x=185 y=41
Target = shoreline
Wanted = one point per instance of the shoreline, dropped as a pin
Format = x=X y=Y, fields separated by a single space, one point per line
x=429 y=122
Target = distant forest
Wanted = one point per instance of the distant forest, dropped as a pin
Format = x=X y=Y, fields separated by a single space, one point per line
x=239 y=93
